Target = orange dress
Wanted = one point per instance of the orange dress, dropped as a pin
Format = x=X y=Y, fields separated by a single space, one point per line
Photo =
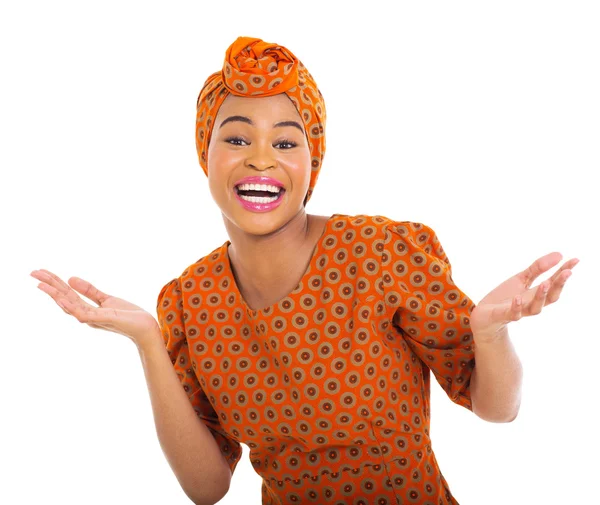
x=329 y=387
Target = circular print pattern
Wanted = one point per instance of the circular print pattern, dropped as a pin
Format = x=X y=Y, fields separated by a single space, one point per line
x=327 y=387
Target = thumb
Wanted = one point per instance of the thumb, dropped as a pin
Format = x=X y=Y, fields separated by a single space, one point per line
x=87 y=289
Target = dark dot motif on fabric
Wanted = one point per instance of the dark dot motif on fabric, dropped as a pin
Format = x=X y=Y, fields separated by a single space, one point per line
x=324 y=375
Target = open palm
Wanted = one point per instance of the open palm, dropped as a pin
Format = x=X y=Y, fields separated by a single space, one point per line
x=112 y=314
x=515 y=297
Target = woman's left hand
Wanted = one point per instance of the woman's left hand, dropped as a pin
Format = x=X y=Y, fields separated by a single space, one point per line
x=515 y=298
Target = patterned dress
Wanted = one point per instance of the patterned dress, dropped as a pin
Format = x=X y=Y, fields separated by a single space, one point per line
x=329 y=387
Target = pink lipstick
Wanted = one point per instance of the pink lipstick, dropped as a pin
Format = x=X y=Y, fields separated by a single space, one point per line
x=259 y=193
x=256 y=179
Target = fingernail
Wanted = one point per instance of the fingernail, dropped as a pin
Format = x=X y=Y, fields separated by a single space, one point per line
x=546 y=288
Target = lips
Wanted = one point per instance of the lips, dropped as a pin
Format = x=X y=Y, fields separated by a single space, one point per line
x=258 y=179
x=259 y=193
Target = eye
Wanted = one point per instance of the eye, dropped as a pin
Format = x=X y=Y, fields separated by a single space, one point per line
x=286 y=144
x=236 y=141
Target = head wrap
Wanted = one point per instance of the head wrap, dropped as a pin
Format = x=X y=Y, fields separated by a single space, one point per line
x=254 y=68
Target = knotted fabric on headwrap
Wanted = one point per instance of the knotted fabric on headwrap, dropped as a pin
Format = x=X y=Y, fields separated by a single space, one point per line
x=254 y=68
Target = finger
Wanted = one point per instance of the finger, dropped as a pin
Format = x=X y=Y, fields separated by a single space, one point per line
x=71 y=308
x=51 y=291
x=61 y=304
x=539 y=299
x=52 y=279
x=57 y=287
x=517 y=309
x=508 y=313
x=75 y=284
x=48 y=285
x=568 y=265
x=82 y=286
x=557 y=287
x=64 y=303
x=538 y=267
x=88 y=290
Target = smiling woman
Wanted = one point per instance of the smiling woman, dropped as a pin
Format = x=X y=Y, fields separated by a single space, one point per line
x=259 y=141
x=304 y=344
x=256 y=69
x=310 y=338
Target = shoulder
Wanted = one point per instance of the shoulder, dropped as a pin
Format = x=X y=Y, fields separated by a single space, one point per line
x=375 y=237
x=208 y=266
x=390 y=238
x=412 y=233
x=383 y=227
x=365 y=225
x=417 y=240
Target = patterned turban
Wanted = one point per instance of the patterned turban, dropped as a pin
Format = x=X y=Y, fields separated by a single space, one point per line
x=254 y=68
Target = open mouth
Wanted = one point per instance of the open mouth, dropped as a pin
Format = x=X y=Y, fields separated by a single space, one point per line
x=259 y=193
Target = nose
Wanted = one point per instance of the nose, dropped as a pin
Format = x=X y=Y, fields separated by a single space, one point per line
x=260 y=157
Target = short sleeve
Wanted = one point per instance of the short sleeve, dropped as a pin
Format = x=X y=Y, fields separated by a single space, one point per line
x=432 y=313
x=169 y=309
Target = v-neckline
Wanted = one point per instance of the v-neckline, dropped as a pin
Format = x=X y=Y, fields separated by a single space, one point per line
x=269 y=309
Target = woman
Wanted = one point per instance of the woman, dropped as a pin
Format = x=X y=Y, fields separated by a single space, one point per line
x=309 y=338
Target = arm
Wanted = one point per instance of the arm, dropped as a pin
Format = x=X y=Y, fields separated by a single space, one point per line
x=189 y=446
x=496 y=380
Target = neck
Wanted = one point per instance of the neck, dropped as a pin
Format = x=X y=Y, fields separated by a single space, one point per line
x=263 y=263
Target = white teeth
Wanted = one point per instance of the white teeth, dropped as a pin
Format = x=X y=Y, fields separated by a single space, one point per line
x=259 y=187
x=259 y=199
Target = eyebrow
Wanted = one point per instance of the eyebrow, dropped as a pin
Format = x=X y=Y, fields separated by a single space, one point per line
x=247 y=120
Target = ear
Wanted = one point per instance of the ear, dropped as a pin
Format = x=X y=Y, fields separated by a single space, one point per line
x=308 y=194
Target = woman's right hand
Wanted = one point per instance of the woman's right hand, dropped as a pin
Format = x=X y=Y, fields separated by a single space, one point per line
x=112 y=314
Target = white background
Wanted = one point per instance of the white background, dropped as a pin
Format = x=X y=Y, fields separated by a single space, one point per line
x=479 y=119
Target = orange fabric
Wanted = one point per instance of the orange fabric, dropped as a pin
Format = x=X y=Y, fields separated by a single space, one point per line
x=329 y=387
x=254 y=68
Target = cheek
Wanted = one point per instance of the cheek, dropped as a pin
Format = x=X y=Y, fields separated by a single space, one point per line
x=218 y=163
x=219 y=157
x=300 y=165
x=221 y=162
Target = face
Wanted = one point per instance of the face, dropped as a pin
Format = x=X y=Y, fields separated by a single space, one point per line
x=261 y=139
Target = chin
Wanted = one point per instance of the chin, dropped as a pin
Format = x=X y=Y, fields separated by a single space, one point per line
x=262 y=223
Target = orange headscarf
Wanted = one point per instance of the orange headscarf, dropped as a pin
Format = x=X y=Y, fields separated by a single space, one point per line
x=254 y=68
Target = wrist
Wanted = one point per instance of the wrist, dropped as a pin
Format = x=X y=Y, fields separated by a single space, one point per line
x=490 y=336
x=150 y=342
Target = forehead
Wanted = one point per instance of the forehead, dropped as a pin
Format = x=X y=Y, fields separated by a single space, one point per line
x=273 y=108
